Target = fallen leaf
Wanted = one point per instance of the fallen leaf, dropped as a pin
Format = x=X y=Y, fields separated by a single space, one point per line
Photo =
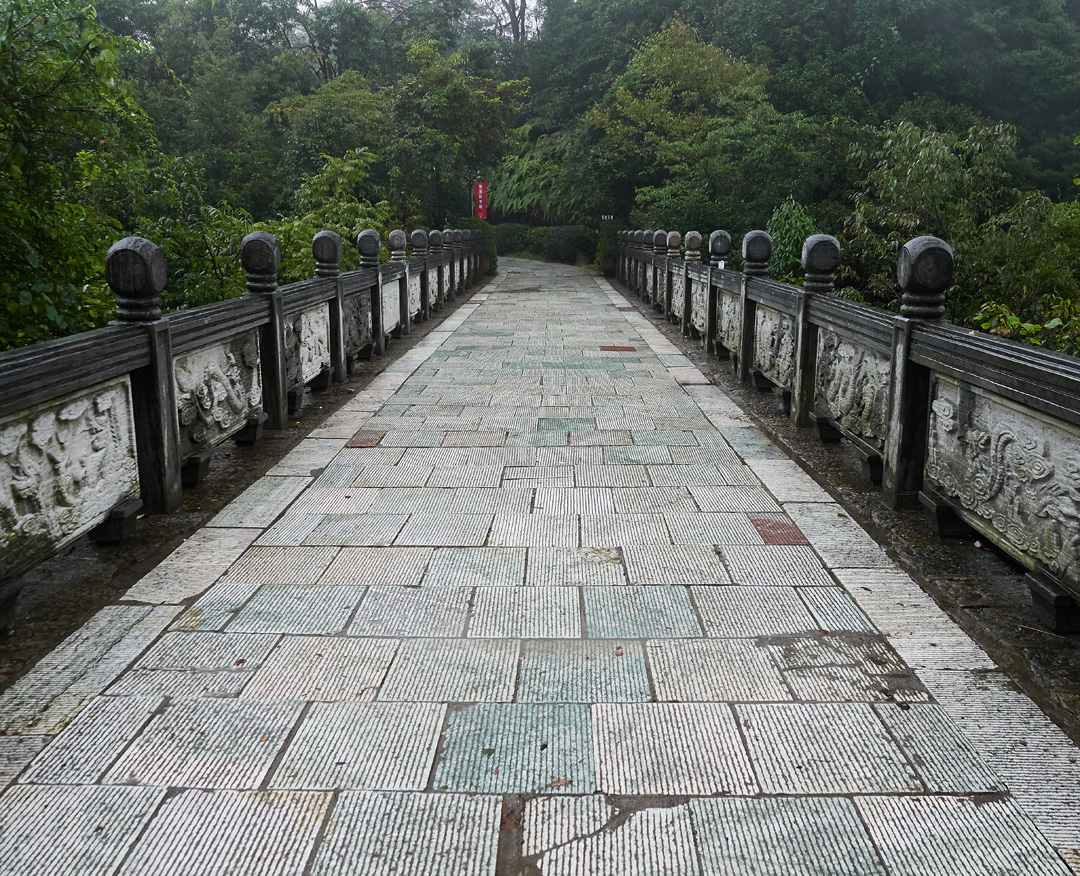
x=561 y=783
x=240 y=662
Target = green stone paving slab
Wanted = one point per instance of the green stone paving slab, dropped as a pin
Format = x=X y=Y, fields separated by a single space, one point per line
x=663 y=437
x=536 y=475
x=745 y=612
x=674 y=564
x=534 y=530
x=358 y=530
x=407 y=611
x=453 y=671
x=569 y=456
x=712 y=528
x=961 y=836
x=832 y=748
x=71 y=831
x=715 y=454
x=583 y=671
x=723 y=670
x=600 y=530
x=378 y=566
x=639 y=613
x=444 y=835
x=594 y=566
x=602 y=438
x=943 y=758
x=670 y=749
x=372 y=746
x=634 y=455
x=86 y=748
x=445 y=529
x=783 y=837
x=476 y=567
x=298 y=609
x=654 y=500
x=659 y=840
x=319 y=668
x=527 y=612
x=517 y=749
x=763 y=565
x=208 y=744
x=611 y=476
x=573 y=500
x=475 y=439
x=751 y=443
x=567 y=424
x=241 y=833
x=537 y=439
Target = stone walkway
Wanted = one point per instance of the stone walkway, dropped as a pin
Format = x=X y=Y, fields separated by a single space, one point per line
x=539 y=600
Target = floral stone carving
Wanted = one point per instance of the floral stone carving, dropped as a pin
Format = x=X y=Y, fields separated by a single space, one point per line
x=307 y=345
x=414 y=292
x=218 y=389
x=391 y=306
x=774 y=346
x=1016 y=470
x=699 y=305
x=64 y=465
x=853 y=387
x=678 y=294
x=730 y=321
x=357 y=314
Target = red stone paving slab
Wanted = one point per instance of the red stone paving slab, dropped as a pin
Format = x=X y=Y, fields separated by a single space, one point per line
x=627 y=309
x=365 y=438
x=775 y=531
x=611 y=349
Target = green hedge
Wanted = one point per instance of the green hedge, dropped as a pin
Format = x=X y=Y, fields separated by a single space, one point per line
x=555 y=243
x=489 y=240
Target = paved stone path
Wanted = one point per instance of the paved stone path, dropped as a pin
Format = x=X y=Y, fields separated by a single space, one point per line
x=539 y=600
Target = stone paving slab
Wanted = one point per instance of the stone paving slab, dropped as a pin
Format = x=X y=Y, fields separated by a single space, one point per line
x=539 y=599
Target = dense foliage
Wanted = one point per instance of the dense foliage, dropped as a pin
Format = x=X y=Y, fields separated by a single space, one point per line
x=192 y=122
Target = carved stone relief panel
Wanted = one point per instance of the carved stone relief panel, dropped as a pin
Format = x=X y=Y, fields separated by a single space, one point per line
x=678 y=295
x=649 y=276
x=1015 y=469
x=357 y=314
x=307 y=344
x=774 y=346
x=414 y=292
x=217 y=390
x=391 y=306
x=63 y=466
x=699 y=305
x=853 y=387
x=730 y=329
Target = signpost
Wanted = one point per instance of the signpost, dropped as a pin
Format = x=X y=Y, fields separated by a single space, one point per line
x=480 y=196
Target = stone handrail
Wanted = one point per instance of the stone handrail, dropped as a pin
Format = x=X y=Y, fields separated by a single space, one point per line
x=982 y=432
x=100 y=426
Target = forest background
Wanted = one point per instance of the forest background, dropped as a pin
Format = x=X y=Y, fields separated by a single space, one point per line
x=193 y=122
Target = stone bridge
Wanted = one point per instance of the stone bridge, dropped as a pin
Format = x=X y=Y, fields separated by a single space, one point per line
x=541 y=598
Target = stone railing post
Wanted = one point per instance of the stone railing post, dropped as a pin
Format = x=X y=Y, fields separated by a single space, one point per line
x=658 y=244
x=419 y=241
x=820 y=259
x=451 y=276
x=619 y=256
x=327 y=248
x=435 y=254
x=719 y=248
x=135 y=271
x=673 y=251
x=924 y=270
x=692 y=256
x=397 y=241
x=369 y=244
x=638 y=247
x=459 y=254
x=756 y=250
x=260 y=255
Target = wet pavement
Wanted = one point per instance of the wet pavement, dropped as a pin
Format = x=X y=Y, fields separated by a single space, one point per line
x=541 y=599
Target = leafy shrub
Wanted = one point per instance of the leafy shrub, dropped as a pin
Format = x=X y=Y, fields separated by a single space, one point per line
x=487 y=230
x=789 y=226
x=563 y=243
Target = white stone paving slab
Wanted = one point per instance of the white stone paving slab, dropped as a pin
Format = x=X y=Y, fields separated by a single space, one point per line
x=591 y=566
x=308 y=457
x=334 y=500
x=207 y=744
x=833 y=748
x=453 y=671
x=574 y=500
x=712 y=528
x=71 y=831
x=577 y=671
x=476 y=567
x=669 y=748
x=261 y=503
x=722 y=670
x=517 y=748
x=192 y=567
x=322 y=669
x=835 y=610
x=378 y=566
x=611 y=475
x=534 y=530
x=774 y=564
x=741 y=498
x=240 y=833
x=602 y=530
x=407 y=611
x=357 y=530
x=388 y=834
x=841 y=542
x=298 y=610
x=656 y=500
x=290 y=529
x=674 y=564
x=15 y=753
x=480 y=476
x=744 y=612
x=787 y=481
x=445 y=529
x=526 y=612
x=706 y=474
x=639 y=613
x=371 y=746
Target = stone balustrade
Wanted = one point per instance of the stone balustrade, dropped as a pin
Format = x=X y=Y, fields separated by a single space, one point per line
x=982 y=432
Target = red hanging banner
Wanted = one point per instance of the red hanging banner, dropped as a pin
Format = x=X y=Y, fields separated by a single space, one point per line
x=480 y=199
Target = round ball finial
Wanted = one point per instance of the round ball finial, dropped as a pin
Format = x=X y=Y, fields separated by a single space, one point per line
x=419 y=240
x=135 y=271
x=448 y=237
x=435 y=239
x=719 y=247
x=692 y=241
x=459 y=237
x=370 y=245
x=821 y=254
x=924 y=270
x=639 y=238
x=757 y=246
x=397 y=239
x=659 y=242
x=260 y=254
x=674 y=241
x=327 y=248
